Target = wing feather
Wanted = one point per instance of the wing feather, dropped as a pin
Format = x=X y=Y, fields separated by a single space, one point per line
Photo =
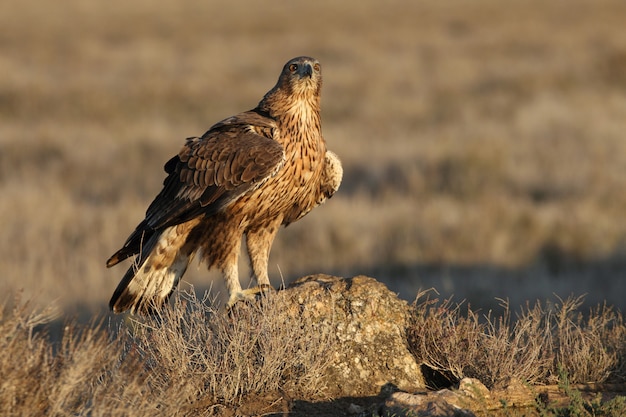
x=213 y=170
x=209 y=173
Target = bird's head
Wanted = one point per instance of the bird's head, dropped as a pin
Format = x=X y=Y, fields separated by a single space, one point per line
x=301 y=76
x=297 y=91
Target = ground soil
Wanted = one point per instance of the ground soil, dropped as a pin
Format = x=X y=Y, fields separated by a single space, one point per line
x=278 y=405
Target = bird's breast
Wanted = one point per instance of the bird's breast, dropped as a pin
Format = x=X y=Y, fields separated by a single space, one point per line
x=292 y=190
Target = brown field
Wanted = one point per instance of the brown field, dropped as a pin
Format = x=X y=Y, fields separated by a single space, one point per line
x=483 y=143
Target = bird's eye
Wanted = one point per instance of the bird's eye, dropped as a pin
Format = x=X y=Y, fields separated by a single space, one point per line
x=316 y=67
x=293 y=67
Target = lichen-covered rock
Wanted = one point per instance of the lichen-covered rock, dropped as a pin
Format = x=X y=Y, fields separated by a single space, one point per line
x=368 y=322
x=402 y=404
x=470 y=395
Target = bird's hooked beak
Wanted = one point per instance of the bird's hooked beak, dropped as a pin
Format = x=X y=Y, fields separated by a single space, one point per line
x=305 y=70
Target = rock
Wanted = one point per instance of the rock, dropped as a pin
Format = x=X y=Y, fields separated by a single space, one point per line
x=516 y=394
x=471 y=394
x=369 y=324
x=402 y=404
x=473 y=389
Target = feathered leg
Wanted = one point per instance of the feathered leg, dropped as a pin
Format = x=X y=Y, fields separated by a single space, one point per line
x=259 y=242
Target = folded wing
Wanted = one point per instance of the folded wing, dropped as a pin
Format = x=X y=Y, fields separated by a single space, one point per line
x=210 y=172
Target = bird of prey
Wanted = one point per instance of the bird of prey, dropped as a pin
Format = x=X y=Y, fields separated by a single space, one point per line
x=246 y=176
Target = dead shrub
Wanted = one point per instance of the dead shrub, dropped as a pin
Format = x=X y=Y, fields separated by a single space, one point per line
x=496 y=349
x=220 y=357
x=589 y=348
x=192 y=358
x=441 y=337
x=24 y=360
x=513 y=349
x=39 y=377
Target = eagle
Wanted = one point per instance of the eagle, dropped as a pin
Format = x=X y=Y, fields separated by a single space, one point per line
x=245 y=177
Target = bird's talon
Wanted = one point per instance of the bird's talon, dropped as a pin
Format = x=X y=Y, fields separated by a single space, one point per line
x=249 y=294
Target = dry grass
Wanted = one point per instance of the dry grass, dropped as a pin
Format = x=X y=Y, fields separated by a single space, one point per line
x=253 y=349
x=39 y=378
x=195 y=359
x=478 y=139
x=536 y=348
x=190 y=360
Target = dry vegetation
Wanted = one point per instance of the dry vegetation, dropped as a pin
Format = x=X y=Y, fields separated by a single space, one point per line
x=483 y=145
x=196 y=359
x=191 y=360
x=484 y=153
x=534 y=347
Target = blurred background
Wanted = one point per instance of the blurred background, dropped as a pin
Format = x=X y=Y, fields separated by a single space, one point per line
x=483 y=142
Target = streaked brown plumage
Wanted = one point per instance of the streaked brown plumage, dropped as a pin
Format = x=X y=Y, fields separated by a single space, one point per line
x=247 y=176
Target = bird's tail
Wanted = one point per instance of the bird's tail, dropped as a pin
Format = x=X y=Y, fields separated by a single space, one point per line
x=154 y=275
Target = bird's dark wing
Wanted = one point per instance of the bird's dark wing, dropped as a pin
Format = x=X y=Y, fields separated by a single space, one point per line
x=212 y=171
x=233 y=157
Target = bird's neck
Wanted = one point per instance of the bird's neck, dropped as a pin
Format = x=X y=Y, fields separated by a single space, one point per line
x=303 y=114
x=297 y=114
